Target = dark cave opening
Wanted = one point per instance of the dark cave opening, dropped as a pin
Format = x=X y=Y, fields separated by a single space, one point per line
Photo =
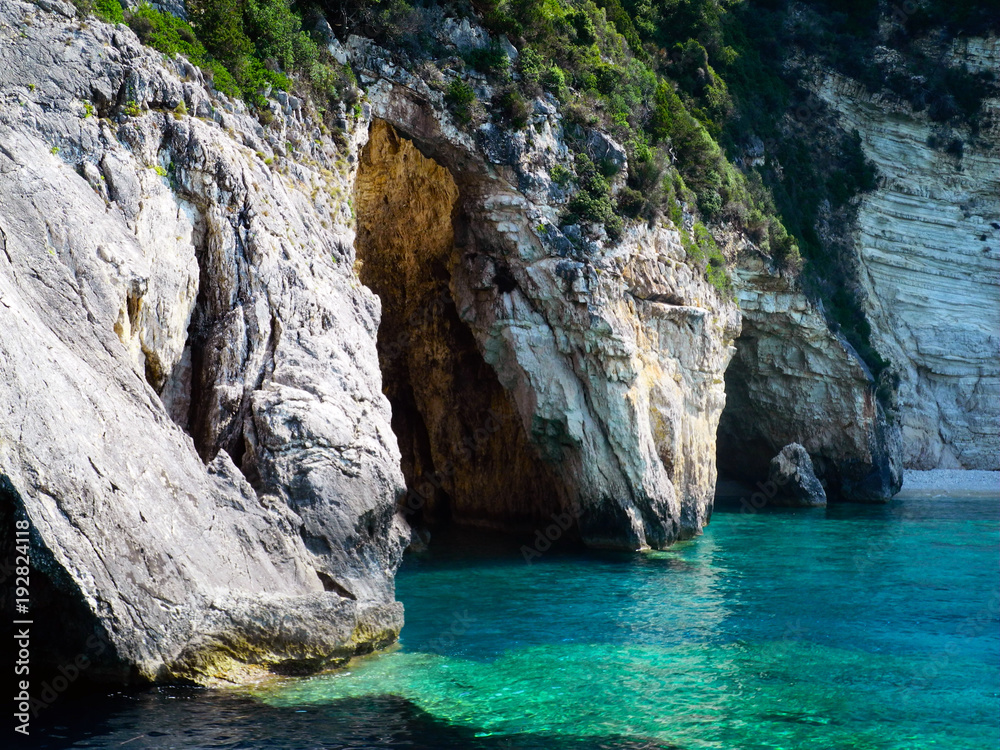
x=466 y=457
x=743 y=451
x=767 y=409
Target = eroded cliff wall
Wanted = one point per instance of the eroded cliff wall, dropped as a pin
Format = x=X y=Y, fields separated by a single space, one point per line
x=597 y=373
x=194 y=425
x=927 y=241
x=203 y=400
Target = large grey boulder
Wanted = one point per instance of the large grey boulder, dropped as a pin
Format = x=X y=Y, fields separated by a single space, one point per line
x=793 y=475
x=191 y=417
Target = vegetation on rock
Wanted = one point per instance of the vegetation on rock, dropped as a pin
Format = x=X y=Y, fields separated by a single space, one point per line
x=716 y=125
x=248 y=48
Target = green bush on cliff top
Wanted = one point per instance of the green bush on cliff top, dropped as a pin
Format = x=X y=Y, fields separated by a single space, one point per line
x=109 y=11
x=683 y=84
x=246 y=46
x=171 y=35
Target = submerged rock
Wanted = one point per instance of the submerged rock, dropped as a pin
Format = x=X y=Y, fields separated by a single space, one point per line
x=792 y=473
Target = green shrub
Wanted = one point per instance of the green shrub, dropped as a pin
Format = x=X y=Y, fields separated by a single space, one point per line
x=592 y=202
x=109 y=11
x=333 y=82
x=512 y=107
x=675 y=212
x=554 y=80
x=531 y=66
x=460 y=97
x=491 y=60
x=646 y=175
x=561 y=176
x=498 y=20
x=276 y=31
x=624 y=25
x=223 y=25
x=245 y=46
x=172 y=36
x=703 y=252
x=583 y=26
x=631 y=203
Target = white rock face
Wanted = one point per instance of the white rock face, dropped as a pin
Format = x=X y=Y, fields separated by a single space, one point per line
x=146 y=252
x=928 y=243
x=616 y=368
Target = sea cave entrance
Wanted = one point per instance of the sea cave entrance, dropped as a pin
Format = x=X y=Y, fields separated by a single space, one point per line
x=466 y=456
x=743 y=450
x=783 y=388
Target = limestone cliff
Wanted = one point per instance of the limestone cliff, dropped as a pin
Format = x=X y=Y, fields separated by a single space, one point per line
x=158 y=264
x=239 y=358
x=594 y=378
x=927 y=242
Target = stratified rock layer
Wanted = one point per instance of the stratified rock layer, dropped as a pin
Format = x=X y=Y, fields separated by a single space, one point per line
x=927 y=240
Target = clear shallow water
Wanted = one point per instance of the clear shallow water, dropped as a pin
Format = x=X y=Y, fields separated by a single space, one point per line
x=853 y=627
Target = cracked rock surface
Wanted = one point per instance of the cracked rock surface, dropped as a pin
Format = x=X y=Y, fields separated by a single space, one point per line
x=164 y=272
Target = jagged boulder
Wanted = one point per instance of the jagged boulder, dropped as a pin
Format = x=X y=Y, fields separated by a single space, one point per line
x=604 y=148
x=191 y=418
x=461 y=34
x=793 y=475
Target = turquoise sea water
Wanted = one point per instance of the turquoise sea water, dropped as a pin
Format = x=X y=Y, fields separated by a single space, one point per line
x=853 y=627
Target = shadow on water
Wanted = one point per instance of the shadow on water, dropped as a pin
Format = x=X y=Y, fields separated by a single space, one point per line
x=196 y=719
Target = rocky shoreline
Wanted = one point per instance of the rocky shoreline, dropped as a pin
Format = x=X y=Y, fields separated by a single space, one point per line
x=951 y=481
